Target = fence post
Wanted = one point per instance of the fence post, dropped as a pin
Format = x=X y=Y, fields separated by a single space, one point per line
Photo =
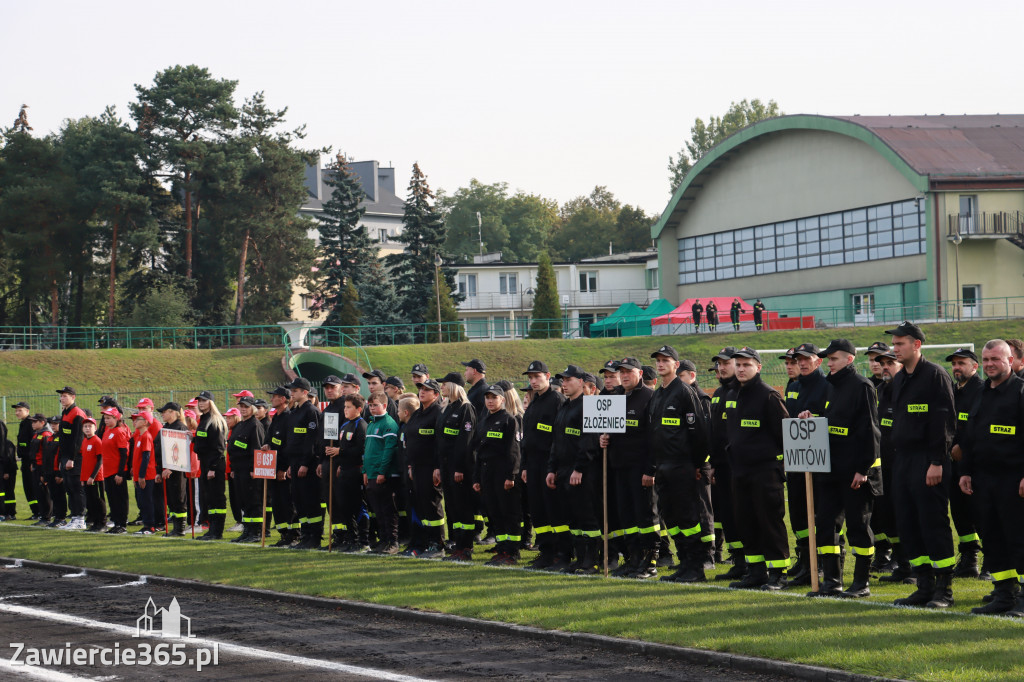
x=5 y=409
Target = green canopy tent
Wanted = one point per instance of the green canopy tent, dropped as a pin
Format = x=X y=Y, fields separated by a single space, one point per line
x=657 y=308
x=622 y=322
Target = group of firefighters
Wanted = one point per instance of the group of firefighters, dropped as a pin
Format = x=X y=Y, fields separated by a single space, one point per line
x=692 y=472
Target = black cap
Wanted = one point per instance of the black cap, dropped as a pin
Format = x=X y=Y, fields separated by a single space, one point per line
x=67 y=389
x=589 y=378
x=54 y=419
x=556 y=381
x=394 y=381
x=300 y=382
x=788 y=355
x=247 y=400
x=453 y=378
x=537 y=366
x=747 y=352
x=628 y=363
x=281 y=391
x=38 y=417
x=331 y=380
x=475 y=364
x=667 y=351
x=419 y=368
x=204 y=395
x=610 y=366
x=878 y=347
x=506 y=385
x=170 y=406
x=714 y=368
x=351 y=379
x=838 y=344
x=494 y=389
x=962 y=353
x=260 y=402
x=686 y=365
x=431 y=384
x=375 y=373
x=807 y=349
x=21 y=404
x=907 y=329
x=649 y=373
x=572 y=371
x=724 y=354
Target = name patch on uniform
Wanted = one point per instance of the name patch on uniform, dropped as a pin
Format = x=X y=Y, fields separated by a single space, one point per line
x=670 y=421
x=886 y=422
x=839 y=430
x=920 y=407
x=751 y=423
x=571 y=431
x=715 y=400
x=792 y=395
x=426 y=432
x=730 y=403
x=275 y=441
x=448 y=431
x=544 y=427
x=201 y=434
x=299 y=429
x=66 y=430
x=240 y=444
x=632 y=422
x=962 y=416
x=998 y=428
x=495 y=434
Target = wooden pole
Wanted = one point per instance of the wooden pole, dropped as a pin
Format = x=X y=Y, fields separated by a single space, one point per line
x=604 y=504
x=165 y=507
x=812 y=540
x=263 y=526
x=330 y=502
x=191 y=510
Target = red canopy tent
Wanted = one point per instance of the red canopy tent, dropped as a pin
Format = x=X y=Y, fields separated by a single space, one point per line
x=680 y=320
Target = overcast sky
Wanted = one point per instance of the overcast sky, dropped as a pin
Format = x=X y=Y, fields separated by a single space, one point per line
x=551 y=97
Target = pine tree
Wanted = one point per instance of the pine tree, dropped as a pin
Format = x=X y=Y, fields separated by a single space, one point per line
x=545 y=303
x=451 y=328
x=379 y=311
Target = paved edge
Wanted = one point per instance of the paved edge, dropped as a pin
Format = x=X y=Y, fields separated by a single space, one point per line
x=750 y=664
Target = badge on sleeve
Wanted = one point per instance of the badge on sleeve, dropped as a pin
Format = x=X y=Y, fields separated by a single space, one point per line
x=312 y=425
x=691 y=418
x=468 y=426
x=348 y=435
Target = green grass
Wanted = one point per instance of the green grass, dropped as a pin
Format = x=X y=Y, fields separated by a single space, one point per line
x=866 y=636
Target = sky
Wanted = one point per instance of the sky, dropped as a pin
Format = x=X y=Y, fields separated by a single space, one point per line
x=552 y=97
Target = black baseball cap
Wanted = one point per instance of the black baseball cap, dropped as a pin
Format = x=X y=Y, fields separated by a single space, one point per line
x=628 y=363
x=572 y=371
x=836 y=345
x=281 y=391
x=788 y=355
x=475 y=364
x=170 y=406
x=649 y=373
x=962 y=353
x=686 y=365
x=351 y=379
x=667 y=351
x=375 y=373
x=610 y=366
x=394 y=381
x=454 y=378
x=300 y=382
x=247 y=400
x=724 y=354
x=429 y=383
x=331 y=380
x=204 y=395
x=556 y=381
x=260 y=402
x=67 y=389
x=807 y=349
x=419 y=368
x=537 y=366
x=21 y=404
x=907 y=329
x=877 y=347
x=494 y=389
x=589 y=378
x=54 y=419
x=747 y=352
x=505 y=385
x=38 y=417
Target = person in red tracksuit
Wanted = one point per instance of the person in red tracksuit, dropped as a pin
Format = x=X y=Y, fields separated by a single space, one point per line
x=116 y=468
x=144 y=472
x=92 y=477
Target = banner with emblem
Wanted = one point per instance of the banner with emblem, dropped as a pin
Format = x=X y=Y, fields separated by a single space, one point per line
x=175 y=450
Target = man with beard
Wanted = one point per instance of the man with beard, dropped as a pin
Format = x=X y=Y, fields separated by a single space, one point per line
x=967 y=386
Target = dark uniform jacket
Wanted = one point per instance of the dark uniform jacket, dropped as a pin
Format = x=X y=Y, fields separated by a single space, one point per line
x=420 y=436
x=25 y=434
x=678 y=431
x=571 y=449
x=922 y=416
x=476 y=394
x=209 y=443
x=337 y=407
x=808 y=392
x=276 y=435
x=723 y=395
x=754 y=426
x=455 y=430
x=538 y=427
x=632 y=448
x=351 y=444
x=496 y=443
x=993 y=441
x=885 y=424
x=247 y=436
x=963 y=399
x=853 y=434
x=71 y=435
x=301 y=442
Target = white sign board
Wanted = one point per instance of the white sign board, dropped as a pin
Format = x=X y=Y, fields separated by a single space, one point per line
x=175 y=451
x=805 y=445
x=331 y=420
x=604 y=414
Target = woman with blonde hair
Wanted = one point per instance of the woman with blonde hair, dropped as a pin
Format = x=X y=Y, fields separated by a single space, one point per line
x=210 y=444
x=455 y=430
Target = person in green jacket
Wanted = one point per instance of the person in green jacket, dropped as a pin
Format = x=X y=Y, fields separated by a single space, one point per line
x=381 y=472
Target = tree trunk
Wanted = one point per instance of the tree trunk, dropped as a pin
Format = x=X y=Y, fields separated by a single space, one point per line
x=113 y=273
x=241 y=280
x=188 y=226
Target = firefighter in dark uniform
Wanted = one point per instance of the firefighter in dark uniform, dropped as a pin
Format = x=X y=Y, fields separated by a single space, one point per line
x=631 y=469
x=848 y=490
x=735 y=310
x=335 y=405
x=573 y=478
x=922 y=432
x=808 y=393
x=174 y=481
x=454 y=451
x=345 y=463
x=24 y=438
x=883 y=560
x=966 y=388
x=209 y=443
x=285 y=519
x=678 y=438
x=992 y=474
x=247 y=437
x=538 y=427
x=300 y=449
x=721 y=474
x=759 y=314
x=687 y=373
x=754 y=426
x=424 y=469
x=37 y=447
x=54 y=478
x=70 y=455
x=712 y=314
x=696 y=310
x=477 y=382
x=496 y=470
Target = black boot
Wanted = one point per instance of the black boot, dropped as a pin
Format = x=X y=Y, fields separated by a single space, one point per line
x=756 y=575
x=882 y=562
x=632 y=565
x=924 y=592
x=665 y=553
x=942 y=598
x=901 y=572
x=1003 y=598
x=578 y=550
x=861 y=579
x=647 y=564
x=832 y=584
x=587 y=565
x=1018 y=607
x=246 y=534
x=177 y=529
x=544 y=559
x=287 y=538
x=800 y=576
x=776 y=580
x=739 y=568
x=967 y=564
x=985 y=573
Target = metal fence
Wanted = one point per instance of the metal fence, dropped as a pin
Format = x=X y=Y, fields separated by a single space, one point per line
x=59 y=338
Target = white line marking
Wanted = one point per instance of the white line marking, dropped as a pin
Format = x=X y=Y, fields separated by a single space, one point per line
x=140 y=581
x=16 y=564
x=38 y=673
x=227 y=647
x=74 y=575
x=20 y=596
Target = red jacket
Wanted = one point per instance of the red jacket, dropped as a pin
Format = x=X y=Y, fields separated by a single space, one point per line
x=113 y=441
x=92 y=459
x=144 y=459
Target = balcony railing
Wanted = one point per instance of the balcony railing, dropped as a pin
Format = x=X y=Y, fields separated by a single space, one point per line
x=999 y=223
x=606 y=298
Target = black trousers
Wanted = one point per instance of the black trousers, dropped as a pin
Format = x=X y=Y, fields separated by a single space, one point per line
x=28 y=487
x=41 y=490
x=537 y=488
x=725 y=515
x=58 y=496
x=836 y=500
x=760 y=508
x=504 y=507
x=574 y=510
x=285 y=518
x=306 y=496
x=883 y=518
x=460 y=507
x=696 y=322
x=707 y=509
x=679 y=505
x=348 y=501
x=214 y=501
x=922 y=514
x=999 y=510
x=176 y=494
x=636 y=506
x=73 y=487
x=381 y=497
x=117 y=497
x=796 y=488
x=961 y=508
x=144 y=495
x=234 y=500
x=95 y=507
x=249 y=493
x=10 y=506
x=427 y=503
